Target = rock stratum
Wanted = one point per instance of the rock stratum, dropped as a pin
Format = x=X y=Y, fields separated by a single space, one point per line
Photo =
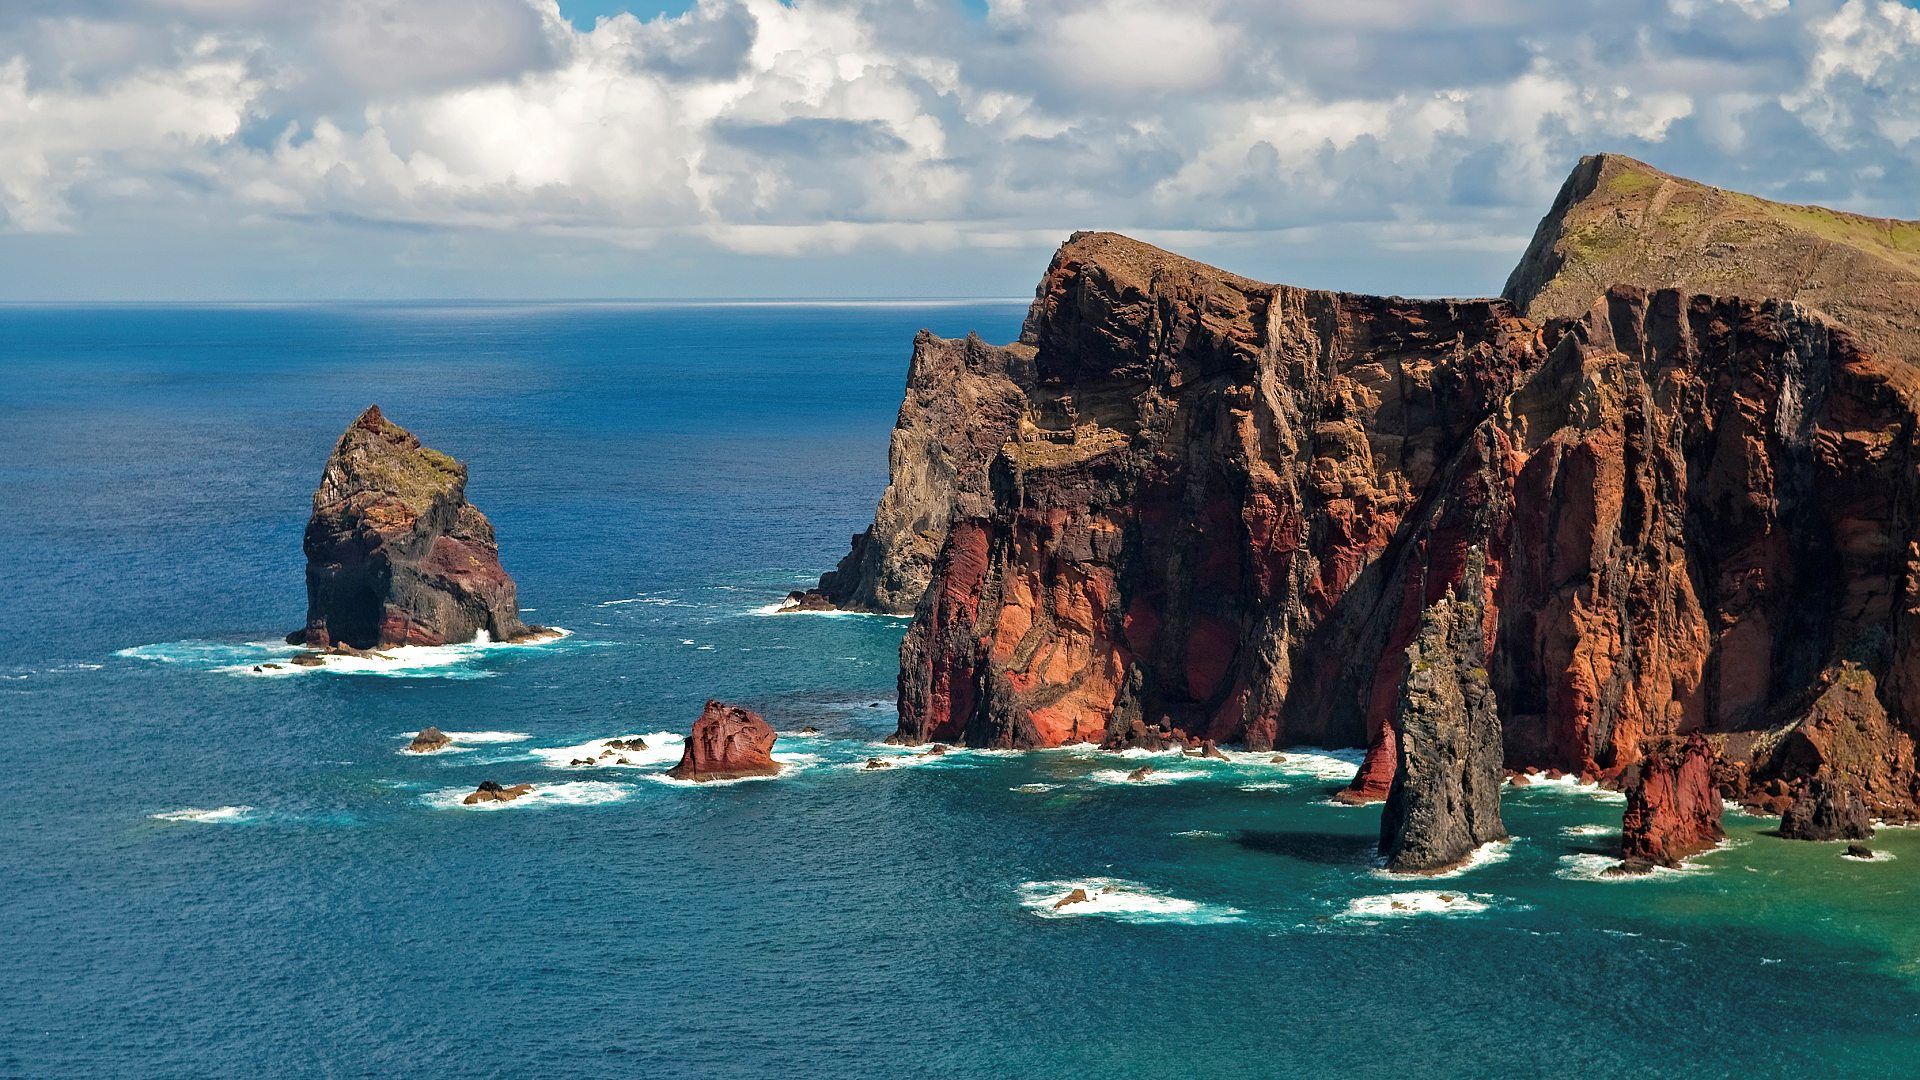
x=1188 y=505
x=395 y=553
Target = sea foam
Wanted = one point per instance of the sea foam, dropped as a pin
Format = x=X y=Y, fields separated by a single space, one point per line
x=225 y=815
x=1124 y=901
x=571 y=793
x=1425 y=902
x=270 y=659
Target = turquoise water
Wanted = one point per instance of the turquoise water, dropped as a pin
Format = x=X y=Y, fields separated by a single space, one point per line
x=211 y=871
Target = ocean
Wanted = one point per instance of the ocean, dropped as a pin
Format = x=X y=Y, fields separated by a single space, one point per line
x=213 y=871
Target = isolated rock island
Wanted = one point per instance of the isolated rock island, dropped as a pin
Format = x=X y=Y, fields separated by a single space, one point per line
x=1672 y=484
x=395 y=553
x=727 y=743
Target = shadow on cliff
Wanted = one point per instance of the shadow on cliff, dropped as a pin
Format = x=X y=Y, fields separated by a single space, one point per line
x=1333 y=849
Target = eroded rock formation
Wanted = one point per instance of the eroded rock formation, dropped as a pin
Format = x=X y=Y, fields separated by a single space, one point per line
x=727 y=743
x=395 y=553
x=1444 y=802
x=1824 y=810
x=1228 y=504
x=491 y=791
x=964 y=399
x=1673 y=805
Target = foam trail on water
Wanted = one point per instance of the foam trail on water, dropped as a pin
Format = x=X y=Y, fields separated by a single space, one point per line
x=1406 y=904
x=225 y=815
x=1123 y=901
x=663 y=748
x=1484 y=855
x=573 y=793
x=272 y=659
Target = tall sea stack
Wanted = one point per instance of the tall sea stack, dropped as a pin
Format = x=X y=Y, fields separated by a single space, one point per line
x=395 y=553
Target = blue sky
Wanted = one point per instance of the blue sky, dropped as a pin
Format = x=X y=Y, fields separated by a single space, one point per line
x=235 y=149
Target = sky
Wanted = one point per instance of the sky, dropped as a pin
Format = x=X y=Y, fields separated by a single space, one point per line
x=391 y=149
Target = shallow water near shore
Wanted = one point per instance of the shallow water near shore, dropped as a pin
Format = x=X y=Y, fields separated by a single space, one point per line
x=216 y=874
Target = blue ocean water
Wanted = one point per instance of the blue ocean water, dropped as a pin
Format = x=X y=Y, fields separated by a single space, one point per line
x=211 y=871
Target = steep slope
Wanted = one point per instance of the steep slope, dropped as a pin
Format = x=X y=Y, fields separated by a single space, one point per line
x=395 y=553
x=964 y=399
x=1618 y=221
x=1227 y=505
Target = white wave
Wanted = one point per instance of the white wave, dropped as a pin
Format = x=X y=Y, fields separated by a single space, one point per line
x=1125 y=901
x=655 y=601
x=788 y=607
x=571 y=793
x=1425 y=902
x=663 y=748
x=1484 y=855
x=894 y=757
x=220 y=816
x=1568 y=782
x=271 y=659
x=1590 y=830
x=1309 y=761
x=1035 y=789
x=1158 y=776
x=1587 y=866
x=1201 y=834
x=463 y=741
x=1267 y=785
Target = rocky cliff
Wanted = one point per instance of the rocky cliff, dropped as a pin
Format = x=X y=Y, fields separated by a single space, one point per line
x=1225 y=506
x=964 y=400
x=395 y=553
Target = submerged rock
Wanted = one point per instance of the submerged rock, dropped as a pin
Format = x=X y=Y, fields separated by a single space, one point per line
x=728 y=742
x=428 y=740
x=491 y=791
x=1445 y=799
x=1673 y=805
x=395 y=553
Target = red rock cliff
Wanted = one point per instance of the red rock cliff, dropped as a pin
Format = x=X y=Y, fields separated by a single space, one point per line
x=1226 y=504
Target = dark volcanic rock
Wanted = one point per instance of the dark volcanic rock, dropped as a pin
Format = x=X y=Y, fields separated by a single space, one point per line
x=395 y=553
x=964 y=399
x=1445 y=799
x=727 y=742
x=1823 y=810
x=492 y=791
x=1673 y=805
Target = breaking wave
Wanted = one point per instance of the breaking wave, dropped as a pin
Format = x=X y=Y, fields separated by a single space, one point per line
x=1123 y=901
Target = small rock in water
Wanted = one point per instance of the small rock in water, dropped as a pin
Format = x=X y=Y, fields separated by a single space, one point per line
x=1629 y=868
x=936 y=750
x=1860 y=851
x=809 y=730
x=491 y=791
x=581 y=761
x=1141 y=773
x=428 y=740
x=307 y=659
x=627 y=744
x=1278 y=759
x=1209 y=750
x=878 y=763
x=1077 y=896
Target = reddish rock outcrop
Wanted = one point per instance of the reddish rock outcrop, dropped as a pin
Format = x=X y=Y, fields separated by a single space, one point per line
x=428 y=740
x=395 y=553
x=728 y=742
x=491 y=791
x=1228 y=504
x=1673 y=806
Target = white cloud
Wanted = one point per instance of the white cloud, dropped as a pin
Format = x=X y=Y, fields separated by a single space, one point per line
x=832 y=125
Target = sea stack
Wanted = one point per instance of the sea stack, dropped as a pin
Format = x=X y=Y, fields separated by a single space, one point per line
x=1445 y=799
x=1673 y=805
x=395 y=553
x=727 y=743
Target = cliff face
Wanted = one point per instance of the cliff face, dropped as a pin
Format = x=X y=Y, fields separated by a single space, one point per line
x=964 y=399
x=1620 y=221
x=1445 y=798
x=1225 y=506
x=395 y=553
